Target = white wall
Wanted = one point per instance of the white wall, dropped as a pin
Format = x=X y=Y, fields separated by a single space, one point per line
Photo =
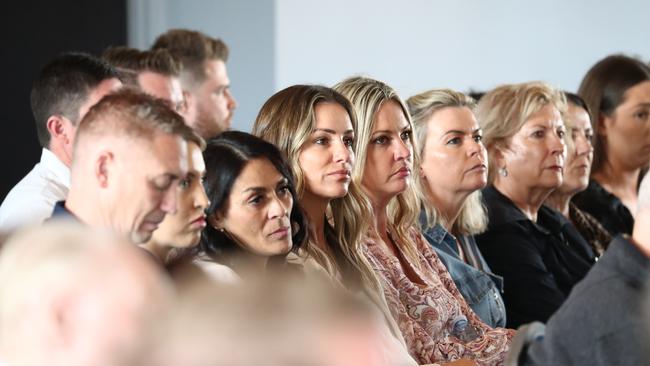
x=421 y=44
x=413 y=45
x=247 y=27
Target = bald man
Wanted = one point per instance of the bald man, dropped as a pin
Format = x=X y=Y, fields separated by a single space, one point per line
x=601 y=323
x=129 y=156
x=73 y=296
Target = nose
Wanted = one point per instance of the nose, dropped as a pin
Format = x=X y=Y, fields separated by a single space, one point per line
x=232 y=103
x=169 y=200
x=201 y=200
x=557 y=145
x=342 y=153
x=403 y=150
x=583 y=145
x=475 y=148
x=278 y=208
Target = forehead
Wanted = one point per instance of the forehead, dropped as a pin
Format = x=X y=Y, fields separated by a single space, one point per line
x=390 y=116
x=639 y=93
x=196 y=164
x=156 y=84
x=332 y=116
x=257 y=172
x=215 y=72
x=453 y=118
x=577 y=117
x=547 y=116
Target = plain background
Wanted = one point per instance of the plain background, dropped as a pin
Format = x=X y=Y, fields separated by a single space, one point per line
x=412 y=45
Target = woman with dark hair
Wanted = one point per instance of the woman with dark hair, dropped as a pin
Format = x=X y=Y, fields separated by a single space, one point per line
x=577 y=167
x=254 y=219
x=617 y=91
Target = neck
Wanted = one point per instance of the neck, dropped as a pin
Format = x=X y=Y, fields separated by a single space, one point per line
x=160 y=251
x=618 y=179
x=448 y=205
x=249 y=265
x=85 y=208
x=315 y=208
x=641 y=232
x=528 y=200
x=559 y=202
x=61 y=153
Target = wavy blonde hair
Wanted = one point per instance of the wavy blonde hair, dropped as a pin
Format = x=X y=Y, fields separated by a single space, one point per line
x=504 y=110
x=367 y=96
x=472 y=218
x=287 y=119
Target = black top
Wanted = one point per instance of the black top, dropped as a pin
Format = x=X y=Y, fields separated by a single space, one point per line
x=606 y=208
x=540 y=262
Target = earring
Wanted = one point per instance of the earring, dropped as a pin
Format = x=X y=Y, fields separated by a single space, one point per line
x=503 y=172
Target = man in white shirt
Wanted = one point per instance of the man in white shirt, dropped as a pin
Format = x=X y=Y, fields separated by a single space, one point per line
x=65 y=90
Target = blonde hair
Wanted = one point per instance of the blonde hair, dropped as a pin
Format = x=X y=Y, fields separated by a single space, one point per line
x=367 y=96
x=287 y=119
x=504 y=110
x=472 y=218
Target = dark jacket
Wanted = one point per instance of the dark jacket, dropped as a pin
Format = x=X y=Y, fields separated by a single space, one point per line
x=606 y=208
x=540 y=262
x=603 y=322
x=480 y=288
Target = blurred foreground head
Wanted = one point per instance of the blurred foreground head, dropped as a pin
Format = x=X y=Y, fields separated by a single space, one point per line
x=276 y=321
x=71 y=296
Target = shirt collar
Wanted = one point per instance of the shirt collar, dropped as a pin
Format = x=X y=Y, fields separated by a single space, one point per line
x=52 y=163
x=500 y=208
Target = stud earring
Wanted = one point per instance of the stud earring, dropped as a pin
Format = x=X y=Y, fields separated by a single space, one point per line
x=503 y=172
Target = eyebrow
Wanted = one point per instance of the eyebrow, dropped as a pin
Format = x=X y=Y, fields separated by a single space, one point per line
x=644 y=104
x=332 y=132
x=282 y=181
x=460 y=132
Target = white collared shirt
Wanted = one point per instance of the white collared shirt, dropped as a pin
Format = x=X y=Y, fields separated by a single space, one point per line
x=31 y=200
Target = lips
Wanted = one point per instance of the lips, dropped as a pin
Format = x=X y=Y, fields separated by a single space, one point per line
x=478 y=167
x=199 y=222
x=403 y=172
x=341 y=173
x=281 y=232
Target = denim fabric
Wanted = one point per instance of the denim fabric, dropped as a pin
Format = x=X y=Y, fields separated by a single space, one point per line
x=481 y=290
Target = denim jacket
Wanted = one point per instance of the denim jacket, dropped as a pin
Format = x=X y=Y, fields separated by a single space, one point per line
x=481 y=290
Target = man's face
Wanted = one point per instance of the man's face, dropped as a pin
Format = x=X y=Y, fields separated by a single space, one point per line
x=214 y=103
x=166 y=87
x=143 y=179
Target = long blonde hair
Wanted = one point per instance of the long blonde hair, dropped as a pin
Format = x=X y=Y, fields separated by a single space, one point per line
x=287 y=119
x=367 y=96
x=472 y=218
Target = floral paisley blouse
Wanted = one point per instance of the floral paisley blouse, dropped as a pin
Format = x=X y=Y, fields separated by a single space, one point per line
x=424 y=311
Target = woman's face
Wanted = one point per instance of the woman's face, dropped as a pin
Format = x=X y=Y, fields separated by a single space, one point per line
x=258 y=210
x=326 y=158
x=183 y=229
x=578 y=163
x=534 y=157
x=388 y=162
x=454 y=159
x=627 y=132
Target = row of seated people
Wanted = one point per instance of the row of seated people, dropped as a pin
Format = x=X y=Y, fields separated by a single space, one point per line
x=455 y=219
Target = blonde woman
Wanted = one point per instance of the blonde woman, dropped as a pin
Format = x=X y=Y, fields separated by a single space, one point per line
x=537 y=251
x=453 y=169
x=436 y=322
x=314 y=127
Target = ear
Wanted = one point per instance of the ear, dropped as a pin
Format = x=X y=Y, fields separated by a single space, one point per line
x=499 y=156
x=604 y=122
x=102 y=167
x=58 y=128
x=424 y=177
x=216 y=220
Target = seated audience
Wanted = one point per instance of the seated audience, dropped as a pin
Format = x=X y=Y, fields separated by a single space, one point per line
x=537 y=251
x=62 y=93
x=617 y=91
x=436 y=322
x=153 y=72
x=72 y=296
x=576 y=175
x=204 y=78
x=453 y=169
x=603 y=320
x=129 y=155
x=314 y=127
x=254 y=218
